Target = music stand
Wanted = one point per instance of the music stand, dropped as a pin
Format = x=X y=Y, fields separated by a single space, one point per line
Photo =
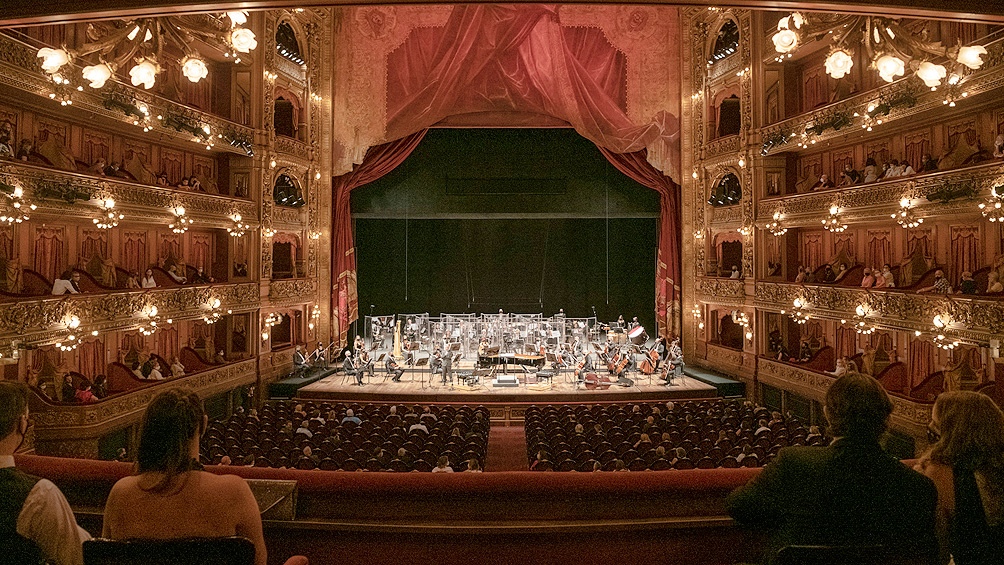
x=421 y=374
x=381 y=358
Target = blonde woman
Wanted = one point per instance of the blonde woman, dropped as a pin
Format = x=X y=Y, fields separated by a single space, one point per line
x=966 y=463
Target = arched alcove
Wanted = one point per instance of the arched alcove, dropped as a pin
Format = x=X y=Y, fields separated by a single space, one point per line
x=727 y=191
x=286 y=191
x=726 y=43
x=287 y=45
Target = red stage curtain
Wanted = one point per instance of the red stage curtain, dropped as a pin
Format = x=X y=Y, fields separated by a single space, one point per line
x=667 y=273
x=379 y=161
x=517 y=58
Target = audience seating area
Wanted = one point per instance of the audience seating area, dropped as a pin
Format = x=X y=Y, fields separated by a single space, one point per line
x=715 y=433
x=272 y=439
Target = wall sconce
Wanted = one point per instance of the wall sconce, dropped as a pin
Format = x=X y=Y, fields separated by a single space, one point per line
x=239 y=227
x=268 y=232
x=698 y=315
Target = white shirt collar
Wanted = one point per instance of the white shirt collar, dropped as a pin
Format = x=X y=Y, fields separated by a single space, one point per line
x=6 y=461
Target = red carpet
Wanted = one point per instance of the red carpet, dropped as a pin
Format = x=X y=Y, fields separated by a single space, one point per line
x=506 y=449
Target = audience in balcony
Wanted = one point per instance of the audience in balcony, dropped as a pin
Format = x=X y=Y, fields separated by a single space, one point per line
x=177 y=369
x=148 y=280
x=848 y=493
x=928 y=164
x=137 y=369
x=201 y=277
x=735 y=273
x=999 y=146
x=968 y=283
x=871 y=170
x=172 y=272
x=133 y=280
x=849 y=176
x=38 y=523
x=939 y=286
x=993 y=283
x=828 y=274
x=84 y=394
x=966 y=463
x=840 y=369
x=100 y=386
x=868 y=280
x=171 y=496
x=155 y=374
x=823 y=183
x=69 y=391
x=66 y=283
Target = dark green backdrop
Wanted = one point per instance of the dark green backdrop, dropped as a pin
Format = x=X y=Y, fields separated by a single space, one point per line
x=528 y=220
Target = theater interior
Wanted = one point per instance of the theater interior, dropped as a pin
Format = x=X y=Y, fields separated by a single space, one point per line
x=226 y=196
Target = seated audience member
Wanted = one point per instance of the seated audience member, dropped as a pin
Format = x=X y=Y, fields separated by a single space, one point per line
x=848 y=493
x=868 y=280
x=620 y=466
x=443 y=465
x=350 y=416
x=735 y=273
x=148 y=280
x=418 y=426
x=993 y=283
x=840 y=369
x=828 y=274
x=155 y=374
x=69 y=390
x=800 y=277
x=893 y=170
x=38 y=523
x=940 y=284
x=66 y=283
x=177 y=369
x=100 y=386
x=849 y=176
x=137 y=370
x=871 y=170
x=907 y=170
x=888 y=278
x=220 y=359
x=968 y=283
x=966 y=464
x=133 y=280
x=304 y=429
x=823 y=183
x=928 y=163
x=473 y=466
x=541 y=458
x=810 y=276
x=84 y=394
x=170 y=496
x=172 y=272
x=201 y=277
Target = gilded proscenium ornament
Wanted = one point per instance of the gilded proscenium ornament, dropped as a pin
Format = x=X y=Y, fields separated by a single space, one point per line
x=35 y=320
x=301 y=290
x=720 y=290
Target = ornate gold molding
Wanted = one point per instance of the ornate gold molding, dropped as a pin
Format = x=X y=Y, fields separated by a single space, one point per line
x=294 y=291
x=877 y=201
x=60 y=422
x=728 y=145
x=137 y=201
x=720 y=291
x=974 y=319
x=39 y=321
x=292 y=147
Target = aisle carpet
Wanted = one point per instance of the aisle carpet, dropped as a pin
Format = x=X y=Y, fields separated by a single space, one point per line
x=506 y=449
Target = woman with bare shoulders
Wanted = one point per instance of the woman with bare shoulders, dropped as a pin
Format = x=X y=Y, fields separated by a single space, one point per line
x=966 y=463
x=170 y=496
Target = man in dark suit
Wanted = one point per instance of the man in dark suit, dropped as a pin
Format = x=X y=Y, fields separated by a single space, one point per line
x=848 y=493
x=350 y=369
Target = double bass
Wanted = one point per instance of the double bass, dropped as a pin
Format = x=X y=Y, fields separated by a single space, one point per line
x=650 y=363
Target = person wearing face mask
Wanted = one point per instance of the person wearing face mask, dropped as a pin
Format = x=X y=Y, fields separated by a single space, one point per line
x=37 y=524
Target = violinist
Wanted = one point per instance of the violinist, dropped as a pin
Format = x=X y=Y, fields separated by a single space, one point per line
x=364 y=363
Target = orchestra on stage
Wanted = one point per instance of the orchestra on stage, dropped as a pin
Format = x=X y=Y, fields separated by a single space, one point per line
x=481 y=349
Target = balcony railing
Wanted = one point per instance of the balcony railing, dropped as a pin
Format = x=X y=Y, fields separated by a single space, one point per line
x=715 y=290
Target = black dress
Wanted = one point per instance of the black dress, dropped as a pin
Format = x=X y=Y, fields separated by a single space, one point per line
x=971 y=539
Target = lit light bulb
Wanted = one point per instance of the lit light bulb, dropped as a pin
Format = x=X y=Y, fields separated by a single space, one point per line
x=238 y=17
x=97 y=75
x=785 y=40
x=145 y=73
x=889 y=67
x=972 y=56
x=838 y=64
x=243 y=40
x=194 y=69
x=931 y=73
x=53 y=59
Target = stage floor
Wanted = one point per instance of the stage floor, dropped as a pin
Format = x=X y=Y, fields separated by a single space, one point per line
x=416 y=387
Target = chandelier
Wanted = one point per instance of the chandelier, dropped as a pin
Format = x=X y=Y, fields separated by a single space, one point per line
x=798 y=315
x=315 y=316
x=905 y=217
x=70 y=340
x=213 y=315
x=151 y=321
x=181 y=222
x=109 y=217
x=239 y=227
x=141 y=42
x=774 y=226
x=271 y=320
x=892 y=47
x=696 y=312
x=992 y=209
x=834 y=223
x=17 y=207
x=860 y=321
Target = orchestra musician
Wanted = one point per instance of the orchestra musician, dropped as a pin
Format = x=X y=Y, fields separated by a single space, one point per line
x=409 y=353
x=358 y=344
x=299 y=360
x=634 y=323
x=350 y=369
x=364 y=363
x=393 y=368
x=436 y=363
x=447 y=368
x=318 y=355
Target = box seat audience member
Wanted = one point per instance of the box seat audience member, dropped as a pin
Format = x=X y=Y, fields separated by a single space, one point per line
x=36 y=523
x=850 y=493
x=171 y=496
x=966 y=464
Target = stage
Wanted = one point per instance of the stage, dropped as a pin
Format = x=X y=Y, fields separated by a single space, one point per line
x=416 y=386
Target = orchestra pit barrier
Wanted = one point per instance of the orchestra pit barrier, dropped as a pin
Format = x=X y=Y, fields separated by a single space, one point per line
x=463 y=518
